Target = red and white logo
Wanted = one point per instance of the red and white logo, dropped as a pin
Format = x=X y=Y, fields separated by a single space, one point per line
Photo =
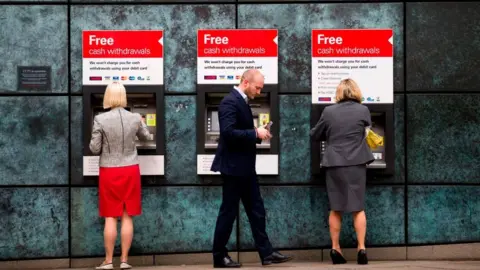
x=114 y=53
x=227 y=53
x=352 y=43
x=122 y=44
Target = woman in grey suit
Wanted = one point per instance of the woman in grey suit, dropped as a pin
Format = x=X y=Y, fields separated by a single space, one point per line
x=342 y=126
x=113 y=138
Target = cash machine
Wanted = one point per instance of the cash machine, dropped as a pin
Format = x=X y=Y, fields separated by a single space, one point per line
x=382 y=124
x=264 y=109
x=144 y=100
x=140 y=70
x=333 y=61
x=223 y=55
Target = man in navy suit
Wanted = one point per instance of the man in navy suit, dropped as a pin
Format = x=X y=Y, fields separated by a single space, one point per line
x=235 y=160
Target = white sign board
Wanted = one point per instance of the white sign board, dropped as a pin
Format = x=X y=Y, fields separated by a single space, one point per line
x=364 y=55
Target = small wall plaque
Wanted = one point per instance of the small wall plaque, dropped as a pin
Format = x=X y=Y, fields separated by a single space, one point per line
x=34 y=78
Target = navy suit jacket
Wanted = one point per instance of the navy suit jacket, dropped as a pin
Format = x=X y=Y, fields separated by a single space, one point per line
x=236 y=152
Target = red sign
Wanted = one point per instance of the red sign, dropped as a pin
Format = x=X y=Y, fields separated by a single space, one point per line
x=352 y=43
x=237 y=43
x=122 y=44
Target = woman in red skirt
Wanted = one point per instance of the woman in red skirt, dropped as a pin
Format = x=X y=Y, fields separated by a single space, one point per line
x=113 y=138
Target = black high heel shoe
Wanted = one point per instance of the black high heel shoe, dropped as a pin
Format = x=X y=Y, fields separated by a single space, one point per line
x=337 y=257
x=362 y=257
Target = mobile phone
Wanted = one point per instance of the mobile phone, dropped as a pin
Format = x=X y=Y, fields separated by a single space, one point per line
x=269 y=125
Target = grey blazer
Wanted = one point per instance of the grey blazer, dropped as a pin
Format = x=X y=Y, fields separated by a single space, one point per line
x=113 y=137
x=342 y=126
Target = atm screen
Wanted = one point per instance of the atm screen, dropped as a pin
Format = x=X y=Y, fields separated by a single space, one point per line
x=212 y=127
x=212 y=124
x=215 y=126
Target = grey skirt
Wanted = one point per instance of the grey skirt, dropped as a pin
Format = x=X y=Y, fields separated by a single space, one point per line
x=346 y=188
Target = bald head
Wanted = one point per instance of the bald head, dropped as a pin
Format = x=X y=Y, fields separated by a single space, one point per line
x=251 y=75
x=251 y=82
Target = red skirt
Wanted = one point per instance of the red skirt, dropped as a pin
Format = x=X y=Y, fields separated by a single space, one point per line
x=119 y=186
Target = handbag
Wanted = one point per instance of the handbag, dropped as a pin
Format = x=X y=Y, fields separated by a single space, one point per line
x=373 y=139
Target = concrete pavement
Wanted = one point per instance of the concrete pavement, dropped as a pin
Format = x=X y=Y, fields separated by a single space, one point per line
x=377 y=265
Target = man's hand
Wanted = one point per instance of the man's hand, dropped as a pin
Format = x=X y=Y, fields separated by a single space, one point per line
x=263 y=133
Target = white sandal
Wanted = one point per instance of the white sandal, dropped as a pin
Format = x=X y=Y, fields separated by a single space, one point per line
x=125 y=265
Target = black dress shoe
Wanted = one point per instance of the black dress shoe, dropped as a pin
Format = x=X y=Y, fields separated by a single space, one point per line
x=362 y=257
x=226 y=262
x=337 y=257
x=276 y=257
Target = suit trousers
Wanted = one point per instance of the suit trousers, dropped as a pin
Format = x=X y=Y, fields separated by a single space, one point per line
x=247 y=189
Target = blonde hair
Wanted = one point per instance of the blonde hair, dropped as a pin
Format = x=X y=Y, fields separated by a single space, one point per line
x=115 y=96
x=348 y=89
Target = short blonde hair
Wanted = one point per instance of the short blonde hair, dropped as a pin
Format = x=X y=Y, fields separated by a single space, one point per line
x=348 y=89
x=115 y=96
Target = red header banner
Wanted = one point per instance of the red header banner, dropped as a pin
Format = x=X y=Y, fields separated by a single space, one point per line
x=352 y=43
x=122 y=44
x=237 y=43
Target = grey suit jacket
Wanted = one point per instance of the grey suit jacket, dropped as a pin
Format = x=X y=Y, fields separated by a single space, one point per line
x=113 y=137
x=342 y=126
